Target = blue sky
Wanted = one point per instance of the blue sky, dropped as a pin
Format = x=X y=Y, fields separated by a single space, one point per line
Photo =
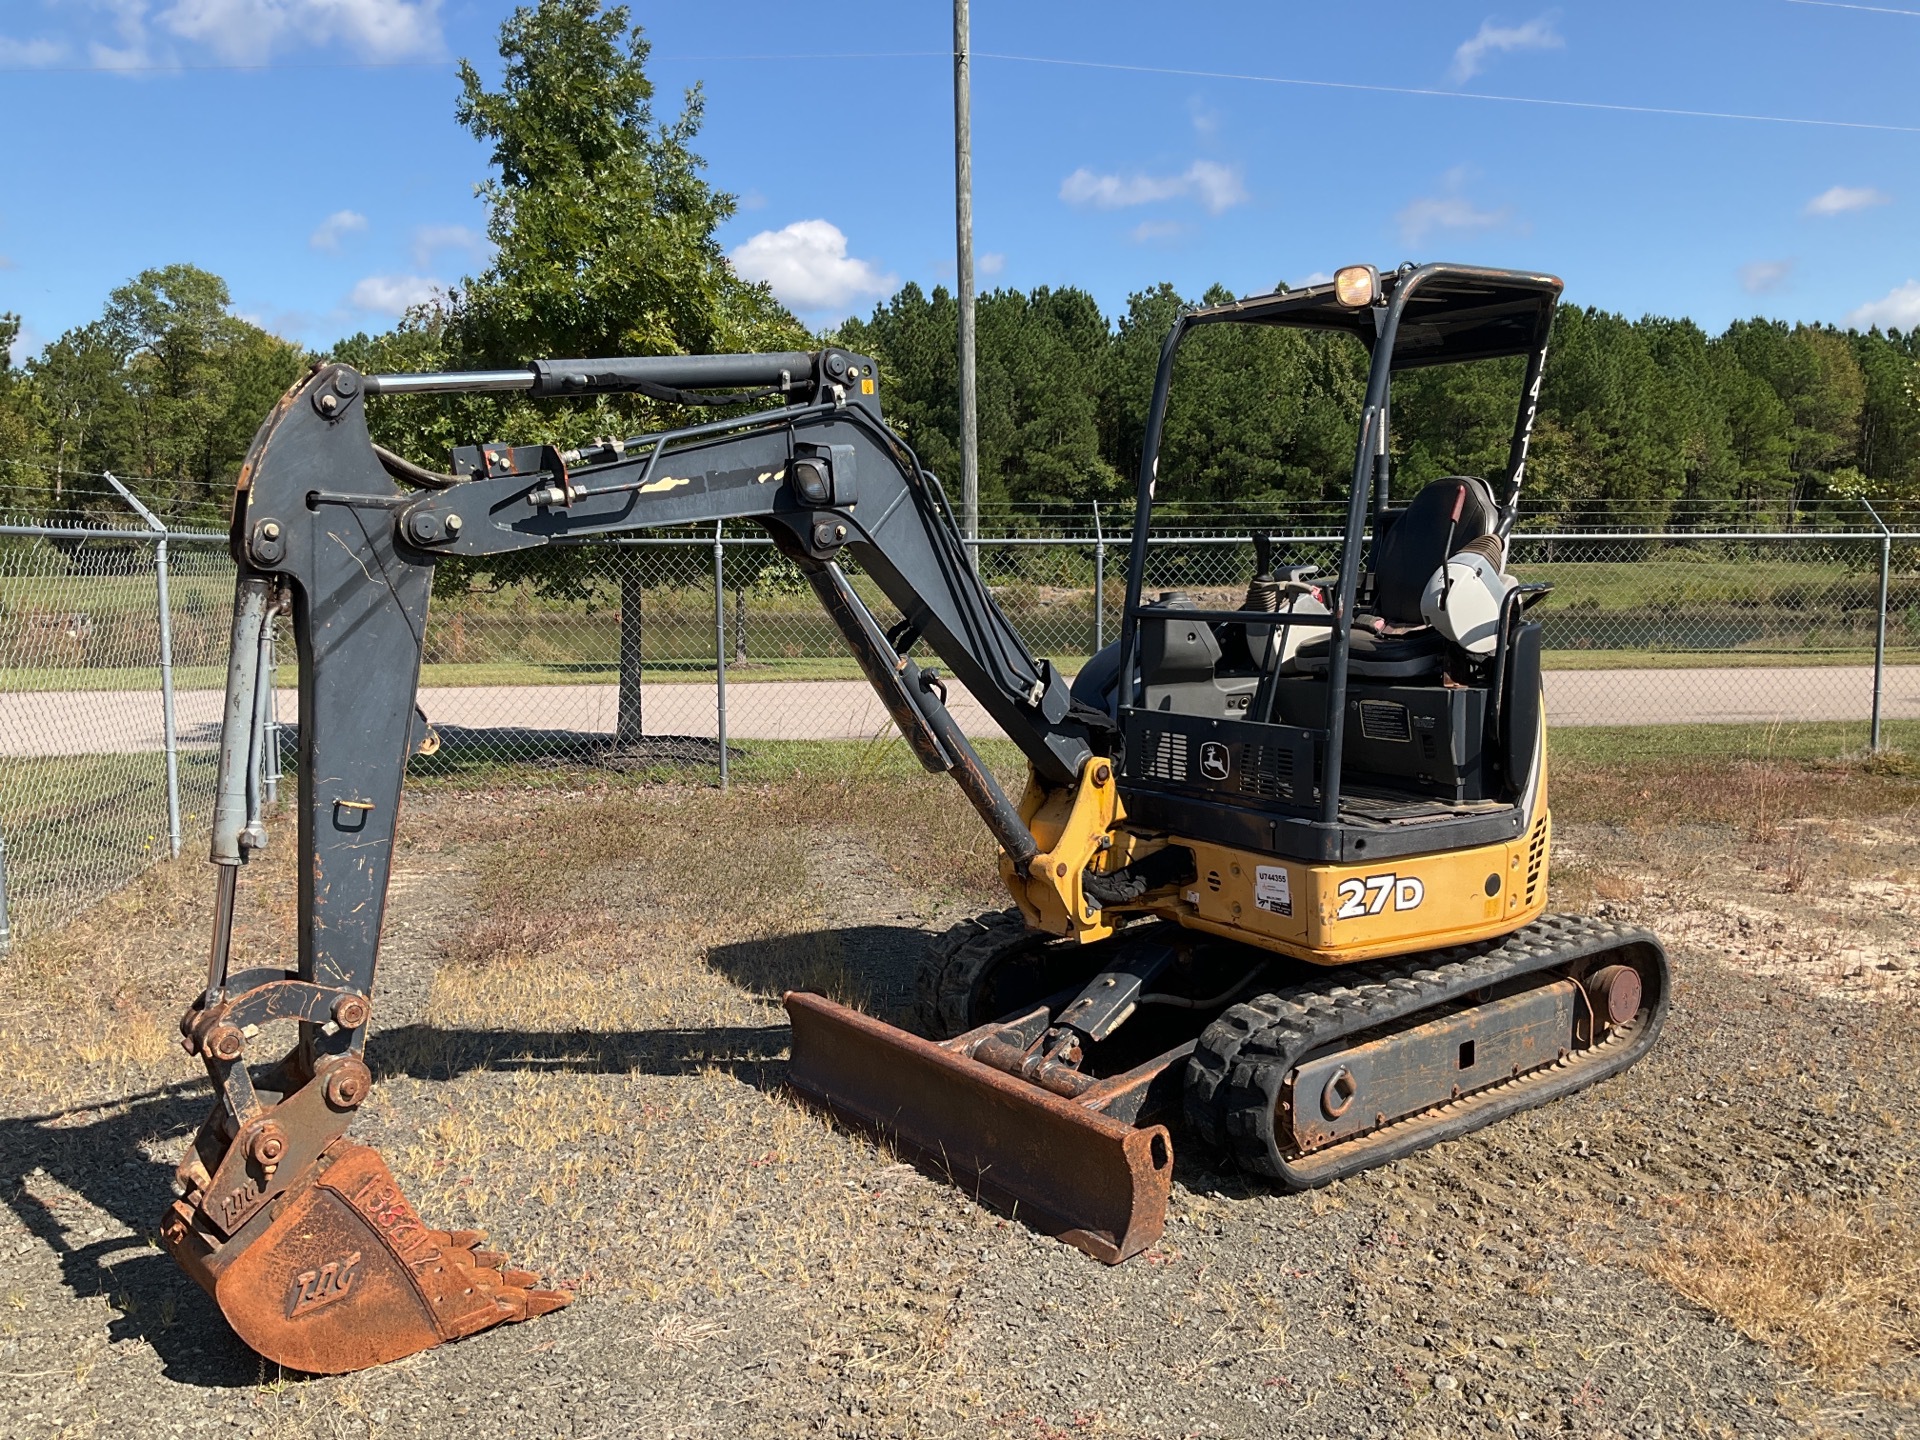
x=306 y=149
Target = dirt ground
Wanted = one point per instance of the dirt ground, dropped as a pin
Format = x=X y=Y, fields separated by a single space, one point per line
x=579 y=1047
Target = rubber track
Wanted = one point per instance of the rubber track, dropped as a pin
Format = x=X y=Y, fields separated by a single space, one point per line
x=1238 y=1070
x=944 y=986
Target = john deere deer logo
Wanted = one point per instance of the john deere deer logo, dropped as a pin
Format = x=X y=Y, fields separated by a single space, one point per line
x=1214 y=761
x=315 y=1288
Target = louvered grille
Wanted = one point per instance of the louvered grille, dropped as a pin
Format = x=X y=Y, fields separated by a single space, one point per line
x=1266 y=771
x=1166 y=755
x=1536 y=858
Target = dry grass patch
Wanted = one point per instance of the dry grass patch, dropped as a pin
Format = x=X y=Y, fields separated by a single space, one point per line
x=89 y=1009
x=1835 y=1285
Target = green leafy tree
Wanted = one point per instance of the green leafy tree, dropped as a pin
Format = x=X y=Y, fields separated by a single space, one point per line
x=603 y=232
x=1889 y=450
x=20 y=431
x=1040 y=361
x=165 y=389
x=912 y=337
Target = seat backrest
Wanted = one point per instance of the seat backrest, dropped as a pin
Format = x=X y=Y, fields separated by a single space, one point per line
x=1416 y=545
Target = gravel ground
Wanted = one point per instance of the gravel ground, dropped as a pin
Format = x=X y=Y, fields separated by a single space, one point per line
x=580 y=1047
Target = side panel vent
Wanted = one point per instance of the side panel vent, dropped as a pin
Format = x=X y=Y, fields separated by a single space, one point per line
x=1267 y=771
x=1536 y=858
x=1166 y=755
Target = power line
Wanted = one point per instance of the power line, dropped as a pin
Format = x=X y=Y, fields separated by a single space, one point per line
x=1840 y=5
x=1449 y=94
x=1423 y=92
x=262 y=66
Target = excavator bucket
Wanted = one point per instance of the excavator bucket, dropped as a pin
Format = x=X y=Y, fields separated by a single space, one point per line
x=339 y=1273
x=1056 y=1164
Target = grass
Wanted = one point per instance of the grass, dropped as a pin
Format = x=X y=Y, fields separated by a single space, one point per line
x=1810 y=740
x=1751 y=659
x=597 y=961
x=79 y=826
x=699 y=671
x=1834 y=1285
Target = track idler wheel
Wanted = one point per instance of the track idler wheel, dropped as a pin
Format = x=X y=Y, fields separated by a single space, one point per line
x=339 y=1273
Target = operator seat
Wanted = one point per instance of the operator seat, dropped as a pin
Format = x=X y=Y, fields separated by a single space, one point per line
x=1419 y=541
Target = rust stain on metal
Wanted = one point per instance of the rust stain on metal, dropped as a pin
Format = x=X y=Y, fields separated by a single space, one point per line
x=341 y=1273
x=1342 y=1094
x=1060 y=1166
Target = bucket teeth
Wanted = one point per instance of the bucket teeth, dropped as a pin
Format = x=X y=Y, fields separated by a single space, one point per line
x=487 y=1277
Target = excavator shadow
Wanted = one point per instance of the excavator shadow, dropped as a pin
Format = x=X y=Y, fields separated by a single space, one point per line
x=59 y=1171
x=869 y=967
x=67 y=1174
x=754 y=1054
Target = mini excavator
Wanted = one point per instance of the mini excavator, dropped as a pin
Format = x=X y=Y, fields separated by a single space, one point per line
x=1279 y=872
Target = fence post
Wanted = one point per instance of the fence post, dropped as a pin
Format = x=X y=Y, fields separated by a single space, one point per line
x=629 y=725
x=170 y=729
x=720 y=646
x=1099 y=583
x=1880 y=629
x=6 y=925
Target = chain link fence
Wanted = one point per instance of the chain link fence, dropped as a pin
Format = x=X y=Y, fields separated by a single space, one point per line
x=106 y=755
x=668 y=649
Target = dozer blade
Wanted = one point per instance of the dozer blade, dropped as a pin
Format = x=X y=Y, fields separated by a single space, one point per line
x=1057 y=1165
x=340 y=1274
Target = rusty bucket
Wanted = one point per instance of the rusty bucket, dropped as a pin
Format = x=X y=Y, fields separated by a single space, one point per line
x=340 y=1273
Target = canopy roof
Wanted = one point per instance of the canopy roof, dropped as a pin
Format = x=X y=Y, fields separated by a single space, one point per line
x=1451 y=313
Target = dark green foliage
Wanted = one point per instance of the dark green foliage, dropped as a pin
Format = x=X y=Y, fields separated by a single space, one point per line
x=165 y=390
x=1642 y=423
x=604 y=232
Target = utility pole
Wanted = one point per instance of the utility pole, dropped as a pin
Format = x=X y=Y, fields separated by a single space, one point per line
x=963 y=226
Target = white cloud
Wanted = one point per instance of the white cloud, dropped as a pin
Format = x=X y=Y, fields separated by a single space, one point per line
x=7 y=262
x=1898 y=309
x=248 y=32
x=1765 y=277
x=27 y=343
x=1843 y=198
x=1112 y=192
x=245 y=32
x=1148 y=231
x=431 y=240
x=335 y=228
x=807 y=266
x=1450 y=210
x=750 y=200
x=31 y=54
x=130 y=24
x=1492 y=39
x=1206 y=119
x=990 y=262
x=1217 y=187
x=1318 y=277
x=394 y=294
x=1446 y=212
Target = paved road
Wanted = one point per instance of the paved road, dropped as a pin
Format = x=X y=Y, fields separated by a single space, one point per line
x=122 y=722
